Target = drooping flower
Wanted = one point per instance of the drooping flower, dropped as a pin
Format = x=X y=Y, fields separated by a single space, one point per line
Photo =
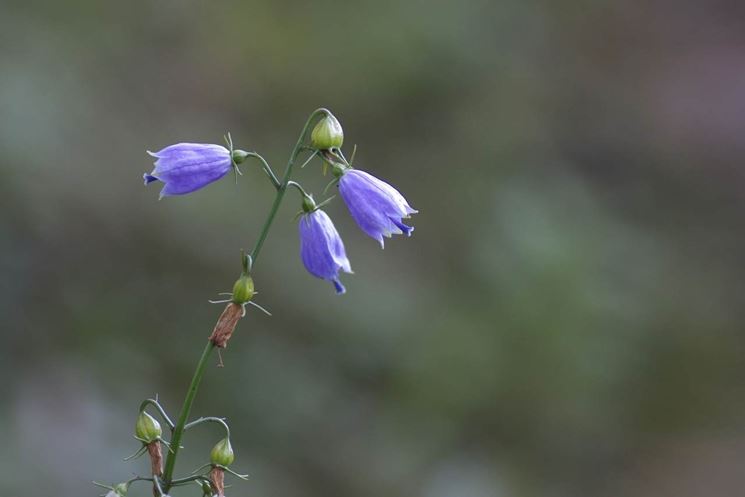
x=186 y=167
x=376 y=206
x=321 y=248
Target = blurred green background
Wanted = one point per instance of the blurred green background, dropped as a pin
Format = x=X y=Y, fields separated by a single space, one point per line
x=566 y=319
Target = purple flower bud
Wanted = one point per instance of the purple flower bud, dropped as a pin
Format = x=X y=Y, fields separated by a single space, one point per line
x=376 y=206
x=321 y=248
x=186 y=167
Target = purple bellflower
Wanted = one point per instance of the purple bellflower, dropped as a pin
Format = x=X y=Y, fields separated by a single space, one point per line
x=376 y=206
x=321 y=248
x=186 y=167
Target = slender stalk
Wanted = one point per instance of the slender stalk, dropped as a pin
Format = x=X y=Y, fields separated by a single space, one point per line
x=283 y=185
x=210 y=419
x=188 y=479
x=191 y=394
x=159 y=408
x=299 y=188
x=267 y=169
x=178 y=431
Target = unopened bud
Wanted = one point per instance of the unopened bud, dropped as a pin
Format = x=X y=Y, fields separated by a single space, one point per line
x=147 y=428
x=327 y=134
x=222 y=453
x=243 y=289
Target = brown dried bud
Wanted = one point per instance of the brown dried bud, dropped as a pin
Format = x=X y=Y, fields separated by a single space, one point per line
x=156 y=458
x=226 y=325
x=156 y=463
x=217 y=477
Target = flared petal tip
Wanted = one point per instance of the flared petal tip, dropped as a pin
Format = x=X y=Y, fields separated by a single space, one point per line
x=149 y=178
x=346 y=266
x=339 y=287
x=406 y=230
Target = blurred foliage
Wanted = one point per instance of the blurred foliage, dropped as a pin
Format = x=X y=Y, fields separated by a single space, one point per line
x=566 y=319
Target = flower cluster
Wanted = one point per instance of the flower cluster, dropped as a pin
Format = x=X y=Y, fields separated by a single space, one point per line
x=376 y=206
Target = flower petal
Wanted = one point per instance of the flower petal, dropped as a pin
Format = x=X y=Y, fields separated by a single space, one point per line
x=181 y=149
x=339 y=287
x=149 y=178
x=321 y=248
x=375 y=205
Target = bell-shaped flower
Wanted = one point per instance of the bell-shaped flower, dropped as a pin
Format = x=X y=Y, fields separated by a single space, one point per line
x=186 y=167
x=376 y=206
x=321 y=248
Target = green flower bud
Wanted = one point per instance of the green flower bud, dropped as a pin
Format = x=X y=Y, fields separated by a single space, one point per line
x=243 y=289
x=327 y=134
x=338 y=170
x=147 y=428
x=308 y=204
x=239 y=156
x=222 y=453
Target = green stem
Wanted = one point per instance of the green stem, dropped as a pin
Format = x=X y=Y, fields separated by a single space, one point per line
x=178 y=431
x=283 y=185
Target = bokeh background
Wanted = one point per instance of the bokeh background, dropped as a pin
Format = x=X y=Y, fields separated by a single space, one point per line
x=566 y=319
